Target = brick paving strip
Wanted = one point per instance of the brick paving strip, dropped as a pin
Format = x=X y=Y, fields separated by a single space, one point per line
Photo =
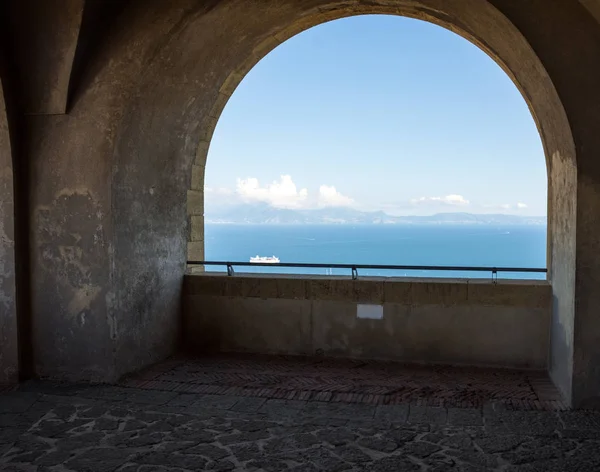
x=350 y=381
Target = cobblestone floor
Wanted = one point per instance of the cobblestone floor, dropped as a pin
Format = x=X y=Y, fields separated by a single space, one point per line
x=54 y=427
x=62 y=427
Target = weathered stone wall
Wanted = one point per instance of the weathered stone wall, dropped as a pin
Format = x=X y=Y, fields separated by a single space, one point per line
x=8 y=316
x=45 y=35
x=440 y=321
x=96 y=275
x=566 y=38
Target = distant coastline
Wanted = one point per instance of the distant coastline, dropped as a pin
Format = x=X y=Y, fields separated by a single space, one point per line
x=264 y=214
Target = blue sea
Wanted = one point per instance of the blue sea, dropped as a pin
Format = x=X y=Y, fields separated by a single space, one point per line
x=439 y=245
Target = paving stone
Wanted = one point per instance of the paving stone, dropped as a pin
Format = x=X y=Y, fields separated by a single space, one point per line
x=134 y=425
x=336 y=436
x=352 y=454
x=219 y=402
x=144 y=440
x=149 y=397
x=393 y=413
x=12 y=420
x=339 y=410
x=106 y=424
x=427 y=414
x=243 y=437
x=173 y=446
x=528 y=456
x=90 y=439
x=64 y=412
x=58 y=428
x=106 y=393
x=162 y=426
x=222 y=465
x=177 y=420
x=195 y=435
x=252 y=425
x=246 y=452
x=248 y=404
x=378 y=444
x=120 y=412
x=499 y=443
x=99 y=460
x=580 y=420
x=150 y=417
x=476 y=459
x=184 y=399
x=530 y=422
x=290 y=443
x=420 y=449
x=183 y=461
x=465 y=417
x=129 y=468
x=93 y=411
x=304 y=468
x=17 y=402
x=322 y=422
x=400 y=436
x=458 y=441
x=282 y=408
x=267 y=465
x=210 y=452
x=54 y=458
x=394 y=464
x=25 y=457
x=31 y=443
x=50 y=388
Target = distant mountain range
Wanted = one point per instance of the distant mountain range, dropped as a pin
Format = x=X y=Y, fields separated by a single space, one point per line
x=265 y=214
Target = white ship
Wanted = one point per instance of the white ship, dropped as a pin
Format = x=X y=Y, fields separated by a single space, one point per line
x=265 y=260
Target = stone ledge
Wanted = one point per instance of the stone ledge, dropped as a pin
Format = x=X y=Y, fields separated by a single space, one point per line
x=406 y=291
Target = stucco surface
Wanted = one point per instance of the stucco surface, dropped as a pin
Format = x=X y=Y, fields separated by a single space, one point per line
x=435 y=321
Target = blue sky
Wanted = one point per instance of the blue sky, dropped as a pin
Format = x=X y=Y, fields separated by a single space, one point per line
x=378 y=113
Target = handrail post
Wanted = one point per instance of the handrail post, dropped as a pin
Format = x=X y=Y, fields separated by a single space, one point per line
x=354 y=273
x=230 y=271
x=494 y=276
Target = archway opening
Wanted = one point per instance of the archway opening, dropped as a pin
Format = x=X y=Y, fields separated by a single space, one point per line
x=395 y=142
x=179 y=98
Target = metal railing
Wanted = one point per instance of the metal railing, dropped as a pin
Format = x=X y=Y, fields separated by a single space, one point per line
x=355 y=267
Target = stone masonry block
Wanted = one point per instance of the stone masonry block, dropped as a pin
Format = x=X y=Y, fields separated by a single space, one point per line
x=197 y=228
x=196 y=251
x=198 y=177
x=195 y=202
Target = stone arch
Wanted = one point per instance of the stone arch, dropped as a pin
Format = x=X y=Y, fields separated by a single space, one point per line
x=487 y=27
x=131 y=149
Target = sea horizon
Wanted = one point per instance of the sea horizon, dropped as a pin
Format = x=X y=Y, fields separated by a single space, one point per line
x=475 y=245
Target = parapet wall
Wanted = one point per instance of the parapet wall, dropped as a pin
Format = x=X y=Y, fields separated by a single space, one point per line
x=448 y=321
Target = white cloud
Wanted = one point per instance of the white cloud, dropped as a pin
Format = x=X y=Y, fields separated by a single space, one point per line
x=454 y=200
x=217 y=191
x=279 y=194
x=330 y=197
x=510 y=206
